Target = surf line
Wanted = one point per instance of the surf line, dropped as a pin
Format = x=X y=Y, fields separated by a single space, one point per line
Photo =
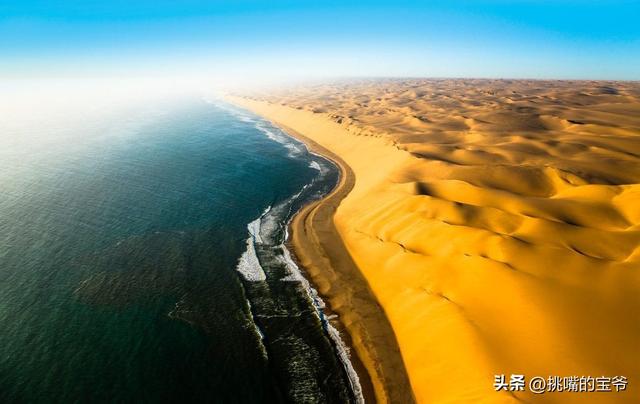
x=256 y=273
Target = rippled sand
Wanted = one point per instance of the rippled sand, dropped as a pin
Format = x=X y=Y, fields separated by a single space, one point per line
x=497 y=223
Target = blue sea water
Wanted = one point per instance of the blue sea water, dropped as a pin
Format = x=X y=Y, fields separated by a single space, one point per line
x=142 y=260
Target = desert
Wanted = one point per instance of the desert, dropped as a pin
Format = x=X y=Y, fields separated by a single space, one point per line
x=496 y=222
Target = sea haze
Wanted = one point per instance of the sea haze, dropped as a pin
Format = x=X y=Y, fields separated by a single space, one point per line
x=142 y=259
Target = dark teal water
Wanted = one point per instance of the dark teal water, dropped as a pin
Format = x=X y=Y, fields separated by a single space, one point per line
x=119 y=250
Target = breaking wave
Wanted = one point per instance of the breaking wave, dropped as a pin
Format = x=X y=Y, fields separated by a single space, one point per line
x=249 y=264
x=268 y=234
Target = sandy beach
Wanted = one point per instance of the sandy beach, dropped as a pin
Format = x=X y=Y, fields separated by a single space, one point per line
x=495 y=222
x=321 y=252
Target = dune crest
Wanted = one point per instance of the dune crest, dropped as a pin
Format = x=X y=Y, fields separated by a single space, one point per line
x=497 y=223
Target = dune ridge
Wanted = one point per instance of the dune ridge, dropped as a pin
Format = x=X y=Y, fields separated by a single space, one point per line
x=497 y=222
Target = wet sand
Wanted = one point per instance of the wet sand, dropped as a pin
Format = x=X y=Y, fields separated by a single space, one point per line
x=495 y=221
x=321 y=252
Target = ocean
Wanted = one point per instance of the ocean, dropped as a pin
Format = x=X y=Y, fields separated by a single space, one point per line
x=142 y=259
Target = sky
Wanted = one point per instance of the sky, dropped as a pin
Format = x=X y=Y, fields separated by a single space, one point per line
x=246 y=41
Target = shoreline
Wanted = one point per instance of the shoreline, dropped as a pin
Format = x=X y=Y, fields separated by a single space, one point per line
x=321 y=253
x=464 y=187
x=338 y=348
x=299 y=232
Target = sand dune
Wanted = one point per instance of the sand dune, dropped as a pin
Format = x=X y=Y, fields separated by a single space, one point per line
x=497 y=222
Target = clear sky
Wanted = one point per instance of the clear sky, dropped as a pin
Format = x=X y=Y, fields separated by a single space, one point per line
x=249 y=39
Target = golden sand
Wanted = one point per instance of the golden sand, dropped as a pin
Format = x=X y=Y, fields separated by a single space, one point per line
x=496 y=222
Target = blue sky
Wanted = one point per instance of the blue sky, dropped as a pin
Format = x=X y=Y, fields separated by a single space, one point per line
x=236 y=39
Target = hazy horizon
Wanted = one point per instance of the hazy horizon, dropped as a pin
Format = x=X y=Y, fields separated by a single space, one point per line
x=254 y=41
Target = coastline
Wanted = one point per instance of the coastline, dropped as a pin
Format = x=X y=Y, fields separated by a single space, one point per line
x=469 y=187
x=321 y=252
x=268 y=260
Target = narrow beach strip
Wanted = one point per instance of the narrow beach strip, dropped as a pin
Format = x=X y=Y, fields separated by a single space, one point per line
x=320 y=250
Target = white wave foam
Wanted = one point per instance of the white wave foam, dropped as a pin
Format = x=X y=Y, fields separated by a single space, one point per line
x=315 y=165
x=248 y=264
x=274 y=133
x=343 y=354
x=271 y=223
x=237 y=113
x=272 y=219
x=245 y=118
x=277 y=135
x=258 y=331
x=254 y=227
x=294 y=274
